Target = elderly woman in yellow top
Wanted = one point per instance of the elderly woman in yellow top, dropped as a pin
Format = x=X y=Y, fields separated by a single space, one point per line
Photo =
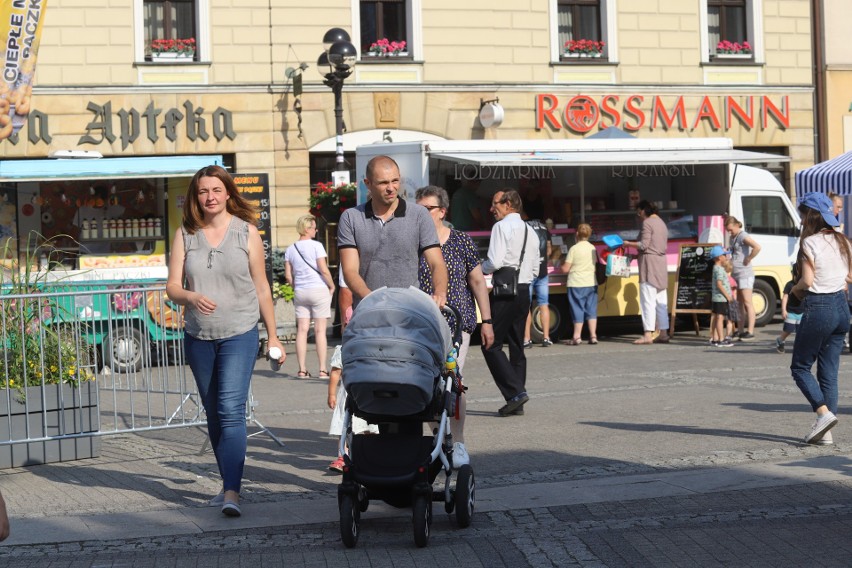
x=582 y=288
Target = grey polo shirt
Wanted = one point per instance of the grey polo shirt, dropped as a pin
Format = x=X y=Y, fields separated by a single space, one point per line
x=389 y=251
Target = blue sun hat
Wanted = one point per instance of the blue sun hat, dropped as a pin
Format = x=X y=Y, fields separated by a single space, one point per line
x=822 y=203
x=717 y=251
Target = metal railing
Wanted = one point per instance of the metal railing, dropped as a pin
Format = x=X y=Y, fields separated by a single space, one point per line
x=83 y=360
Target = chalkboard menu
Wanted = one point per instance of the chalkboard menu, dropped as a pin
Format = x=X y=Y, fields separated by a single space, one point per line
x=694 y=285
x=255 y=189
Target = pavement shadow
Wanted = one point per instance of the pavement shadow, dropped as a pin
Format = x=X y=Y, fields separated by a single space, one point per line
x=694 y=430
x=793 y=409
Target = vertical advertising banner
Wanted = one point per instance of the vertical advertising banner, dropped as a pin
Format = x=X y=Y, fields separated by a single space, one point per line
x=255 y=189
x=20 y=29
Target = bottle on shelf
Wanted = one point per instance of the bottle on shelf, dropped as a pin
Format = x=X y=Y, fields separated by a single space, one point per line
x=158 y=227
x=84 y=234
x=134 y=227
x=119 y=228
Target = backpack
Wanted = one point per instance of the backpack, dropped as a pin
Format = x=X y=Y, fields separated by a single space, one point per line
x=543 y=238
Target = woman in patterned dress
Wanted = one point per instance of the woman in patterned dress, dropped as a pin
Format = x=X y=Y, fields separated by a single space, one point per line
x=466 y=283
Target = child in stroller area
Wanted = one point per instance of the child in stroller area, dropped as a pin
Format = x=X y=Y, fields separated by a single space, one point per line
x=337 y=402
x=399 y=372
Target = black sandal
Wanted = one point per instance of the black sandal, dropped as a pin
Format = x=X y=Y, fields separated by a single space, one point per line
x=323 y=374
x=303 y=375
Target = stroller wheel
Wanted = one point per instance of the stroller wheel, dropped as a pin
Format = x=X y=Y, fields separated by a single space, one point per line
x=465 y=495
x=363 y=500
x=349 y=517
x=422 y=518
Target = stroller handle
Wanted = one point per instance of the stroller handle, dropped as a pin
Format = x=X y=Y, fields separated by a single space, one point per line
x=451 y=310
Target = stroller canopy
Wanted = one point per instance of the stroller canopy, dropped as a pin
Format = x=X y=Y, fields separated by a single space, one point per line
x=393 y=349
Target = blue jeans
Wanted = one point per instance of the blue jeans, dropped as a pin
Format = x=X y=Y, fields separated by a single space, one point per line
x=819 y=339
x=222 y=370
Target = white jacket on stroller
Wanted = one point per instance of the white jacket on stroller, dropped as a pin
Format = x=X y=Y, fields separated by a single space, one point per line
x=393 y=350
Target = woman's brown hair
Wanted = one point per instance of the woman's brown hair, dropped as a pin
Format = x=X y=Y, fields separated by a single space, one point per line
x=236 y=204
x=813 y=223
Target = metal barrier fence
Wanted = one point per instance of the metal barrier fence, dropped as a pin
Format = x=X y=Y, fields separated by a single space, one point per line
x=83 y=360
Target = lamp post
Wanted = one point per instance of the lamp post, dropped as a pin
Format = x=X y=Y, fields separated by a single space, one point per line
x=335 y=65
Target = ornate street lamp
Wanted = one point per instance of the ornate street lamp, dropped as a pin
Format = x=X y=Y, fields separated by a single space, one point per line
x=336 y=64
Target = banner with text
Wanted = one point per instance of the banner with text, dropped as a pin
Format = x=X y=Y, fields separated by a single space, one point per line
x=20 y=29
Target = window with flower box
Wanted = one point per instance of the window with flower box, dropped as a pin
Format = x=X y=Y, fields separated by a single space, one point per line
x=170 y=29
x=583 y=29
x=385 y=27
x=732 y=30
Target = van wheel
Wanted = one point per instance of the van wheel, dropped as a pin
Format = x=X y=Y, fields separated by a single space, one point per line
x=765 y=303
x=559 y=318
x=124 y=348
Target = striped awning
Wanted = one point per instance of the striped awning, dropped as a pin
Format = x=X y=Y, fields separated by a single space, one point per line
x=832 y=175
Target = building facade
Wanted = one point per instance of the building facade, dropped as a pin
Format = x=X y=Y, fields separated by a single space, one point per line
x=543 y=69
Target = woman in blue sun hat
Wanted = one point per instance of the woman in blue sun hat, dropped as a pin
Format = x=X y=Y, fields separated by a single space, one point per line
x=825 y=268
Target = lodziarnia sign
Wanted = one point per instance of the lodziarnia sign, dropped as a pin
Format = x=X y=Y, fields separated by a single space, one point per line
x=582 y=113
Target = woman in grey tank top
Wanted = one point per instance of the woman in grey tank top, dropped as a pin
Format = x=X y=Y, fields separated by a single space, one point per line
x=216 y=270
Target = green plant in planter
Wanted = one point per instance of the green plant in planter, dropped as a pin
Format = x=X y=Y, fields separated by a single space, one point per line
x=283 y=291
x=33 y=352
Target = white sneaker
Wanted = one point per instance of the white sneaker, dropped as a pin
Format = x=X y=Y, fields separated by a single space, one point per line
x=460 y=455
x=822 y=425
x=826 y=440
x=218 y=500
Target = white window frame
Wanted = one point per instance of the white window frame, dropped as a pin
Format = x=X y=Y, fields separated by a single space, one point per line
x=754 y=25
x=609 y=27
x=414 y=27
x=202 y=25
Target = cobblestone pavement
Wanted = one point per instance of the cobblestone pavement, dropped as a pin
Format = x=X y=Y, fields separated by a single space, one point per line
x=735 y=528
x=675 y=455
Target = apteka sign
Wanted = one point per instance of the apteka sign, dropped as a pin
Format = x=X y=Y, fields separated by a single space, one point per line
x=582 y=113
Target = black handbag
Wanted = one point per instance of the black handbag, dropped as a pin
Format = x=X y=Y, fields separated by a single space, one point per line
x=504 y=281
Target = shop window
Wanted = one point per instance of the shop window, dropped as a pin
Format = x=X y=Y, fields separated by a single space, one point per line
x=731 y=32
x=171 y=23
x=583 y=30
x=389 y=20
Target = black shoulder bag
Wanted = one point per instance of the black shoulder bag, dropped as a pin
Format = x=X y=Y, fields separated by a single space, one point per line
x=504 y=281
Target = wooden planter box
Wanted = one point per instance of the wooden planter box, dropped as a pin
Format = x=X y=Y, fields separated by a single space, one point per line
x=64 y=410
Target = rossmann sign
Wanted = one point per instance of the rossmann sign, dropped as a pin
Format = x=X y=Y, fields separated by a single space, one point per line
x=582 y=113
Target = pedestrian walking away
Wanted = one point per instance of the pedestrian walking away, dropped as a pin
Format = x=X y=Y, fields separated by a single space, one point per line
x=509 y=311
x=306 y=269
x=381 y=241
x=825 y=269
x=466 y=282
x=216 y=270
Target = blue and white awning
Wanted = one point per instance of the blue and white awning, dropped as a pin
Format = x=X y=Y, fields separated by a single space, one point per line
x=832 y=175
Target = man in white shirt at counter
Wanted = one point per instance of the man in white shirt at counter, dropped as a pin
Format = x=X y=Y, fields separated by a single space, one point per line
x=509 y=313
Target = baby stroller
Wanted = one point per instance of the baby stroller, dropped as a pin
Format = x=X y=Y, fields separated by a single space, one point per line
x=399 y=372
